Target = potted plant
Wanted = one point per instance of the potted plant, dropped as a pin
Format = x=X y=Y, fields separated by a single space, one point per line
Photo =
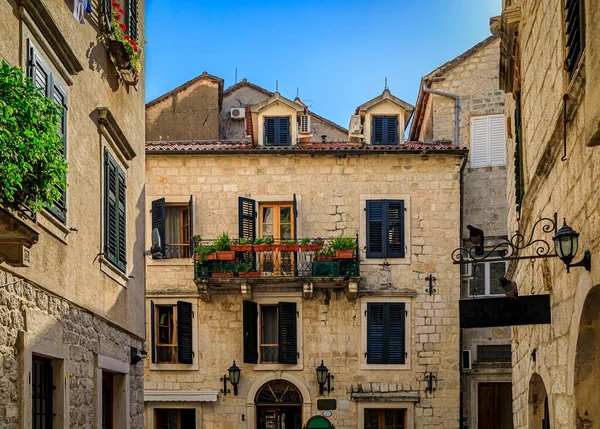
x=244 y=270
x=223 y=270
x=124 y=50
x=324 y=255
x=288 y=246
x=205 y=252
x=244 y=245
x=264 y=244
x=306 y=245
x=344 y=247
x=223 y=247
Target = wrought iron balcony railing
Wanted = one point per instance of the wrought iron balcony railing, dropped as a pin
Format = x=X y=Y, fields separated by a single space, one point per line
x=285 y=258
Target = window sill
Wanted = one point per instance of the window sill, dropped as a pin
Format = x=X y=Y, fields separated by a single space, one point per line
x=174 y=366
x=278 y=367
x=171 y=262
x=53 y=226
x=383 y=366
x=385 y=261
x=113 y=272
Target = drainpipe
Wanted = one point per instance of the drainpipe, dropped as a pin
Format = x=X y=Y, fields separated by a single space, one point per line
x=460 y=277
x=456 y=109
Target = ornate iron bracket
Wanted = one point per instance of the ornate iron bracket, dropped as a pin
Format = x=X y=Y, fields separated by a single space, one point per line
x=431 y=290
x=508 y=249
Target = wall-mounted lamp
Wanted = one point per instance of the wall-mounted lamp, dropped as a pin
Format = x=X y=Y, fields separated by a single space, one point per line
x=566 y=242
x=323 y=376
x=234 y=378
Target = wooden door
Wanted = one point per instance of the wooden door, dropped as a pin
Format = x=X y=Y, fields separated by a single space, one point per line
x=488 y=406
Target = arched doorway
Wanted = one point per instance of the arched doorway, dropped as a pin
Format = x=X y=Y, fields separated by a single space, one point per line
x=587 y=363
x=539 y=408
x=278 y=406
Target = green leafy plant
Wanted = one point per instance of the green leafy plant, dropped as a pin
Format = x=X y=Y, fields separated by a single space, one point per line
x=32 y=168
x=290 y=242
x=327 y=251
x=259 y=241
x=269 y=241
x=244 y=241
x=202 y=250
x=244 y=267
x=223 y=243
x=225 y=267
x=305 y=241
x=318 y=240
x=119 y=32
x=343 y=243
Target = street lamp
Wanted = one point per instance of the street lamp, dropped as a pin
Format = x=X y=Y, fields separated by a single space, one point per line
x=323 y=376
x=566 y=243
x=234 y=378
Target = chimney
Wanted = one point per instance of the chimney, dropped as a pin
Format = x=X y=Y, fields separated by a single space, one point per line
x=323 y=139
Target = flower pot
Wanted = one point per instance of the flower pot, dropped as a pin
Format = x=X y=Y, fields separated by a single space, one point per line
x=211 y=257
x=264 y=247
x=324 y=258
x=226 y=256
x=221 y=275
x=130 y=76
x=288 y=247
x=241 y=248
x=119 y=53
x=249 y=274
x=344 y=254
x=311 y=247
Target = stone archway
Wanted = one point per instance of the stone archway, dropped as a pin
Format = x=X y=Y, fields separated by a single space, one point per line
x=587 y=364
x=539 y=407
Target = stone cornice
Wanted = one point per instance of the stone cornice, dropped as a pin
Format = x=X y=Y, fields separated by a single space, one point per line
x=180 y=396
x=110 y=128
x=408 y=396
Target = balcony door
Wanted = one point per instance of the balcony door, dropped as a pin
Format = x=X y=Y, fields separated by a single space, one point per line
x=277 y=221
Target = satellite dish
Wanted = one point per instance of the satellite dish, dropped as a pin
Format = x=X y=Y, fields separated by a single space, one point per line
x=156 y=248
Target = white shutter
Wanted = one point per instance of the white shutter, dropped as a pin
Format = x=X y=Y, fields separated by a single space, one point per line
x=305 y=124
x=497 y=140
x=480 y=141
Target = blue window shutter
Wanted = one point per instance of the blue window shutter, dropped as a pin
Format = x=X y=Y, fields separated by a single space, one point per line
x=283 y=129
x=287 y=333
x=375 y=333
x=132 y=18
x=270 y=132
x=377 y=130
x=159 y=215
x=375 y=228
x=390 y=130
x=395 y=329
x=394 y=243
x=122 y=223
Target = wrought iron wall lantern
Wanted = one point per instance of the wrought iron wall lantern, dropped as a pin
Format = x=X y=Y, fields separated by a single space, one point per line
x=565 y=244
x=324 y=376
x=234 y=377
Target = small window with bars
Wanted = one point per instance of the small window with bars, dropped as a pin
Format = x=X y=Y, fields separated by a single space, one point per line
x=493 y=353
x=575 y=33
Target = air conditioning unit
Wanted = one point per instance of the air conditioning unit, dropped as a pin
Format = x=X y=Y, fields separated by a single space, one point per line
x=466 y=360
x=305 y=124
x=356 y=124
x=238 y=113
x=467 y=271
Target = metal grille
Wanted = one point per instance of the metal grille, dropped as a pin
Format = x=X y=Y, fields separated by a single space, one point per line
x=42 y=389
x=494 y=353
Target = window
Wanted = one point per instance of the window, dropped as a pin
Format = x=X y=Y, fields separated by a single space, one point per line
x=488 y=141
x=131 y=18
x=43 y=78
x=382 y=418
x=277 y=131
x=386 y=333
x=384 y=130
x=174 y=223
x=278 y=333
x=115 y=209
x=172 y=333
x=107 y=400
x=575 y=33
x=493 y=353
x=385 y=229
x=277 y=221
x=485 y=278
x=42 y=388
x=175 y=419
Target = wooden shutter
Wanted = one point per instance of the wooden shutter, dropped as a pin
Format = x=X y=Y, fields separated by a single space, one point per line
x=390 y=130
x=575 y=33
x=375 y=333
x=375 y=229
x=395 y=326
x=394 y=244
x=152 y=333
x=247 y=218
x=377 y=130
x=132 y=18
x=38 y=70
x=518 y=159
x=250 y=316
x=270 y=133
x=283 y=131
x=480 y=141
x=159 y=215
x=287 y=333
x=111 y=217
x=122 y=220
x=106 y=15
x=191 y=223
x=184 y=332
x=497 y=132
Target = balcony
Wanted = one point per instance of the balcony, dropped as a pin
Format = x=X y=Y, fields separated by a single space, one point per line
x=307 y=263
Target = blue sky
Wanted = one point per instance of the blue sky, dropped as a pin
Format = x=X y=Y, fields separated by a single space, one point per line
x=338 y=52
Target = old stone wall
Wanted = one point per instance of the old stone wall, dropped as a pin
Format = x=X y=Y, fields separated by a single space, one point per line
x=328 y=190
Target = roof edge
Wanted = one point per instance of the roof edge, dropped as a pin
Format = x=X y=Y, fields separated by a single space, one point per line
x=203 y=76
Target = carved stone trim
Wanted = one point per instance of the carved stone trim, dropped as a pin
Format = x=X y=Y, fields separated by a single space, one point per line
x=246 y=291
x=16 y=238
x=408 y=396
x=109 y=127
x=203 y=290
x=308 y=290
x=352 y=290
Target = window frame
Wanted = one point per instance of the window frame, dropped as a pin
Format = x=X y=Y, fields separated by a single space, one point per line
x=381 y=416
x=174 y=341
x=385 y=128
x=183 y=245
x=277 y=130
x=487 y=279
x=488 y=143
x=46 y=363
x=386 y=224
x=261 y=324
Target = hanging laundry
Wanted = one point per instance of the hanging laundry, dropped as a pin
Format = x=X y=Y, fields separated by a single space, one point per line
x=78 y=9
x=88 y=7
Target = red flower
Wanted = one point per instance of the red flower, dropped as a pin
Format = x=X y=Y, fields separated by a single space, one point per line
x=123 y=27
x=134 y=46
x=115 y=5
x=118 y=17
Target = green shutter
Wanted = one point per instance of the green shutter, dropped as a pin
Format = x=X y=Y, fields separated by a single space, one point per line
x=184 y=332
x=288 y=350
x=132 y=18
x=386 y=333
x=250 y=330
x=394 y=215
x=375 y=228
x=115 y=208
x=518 y=157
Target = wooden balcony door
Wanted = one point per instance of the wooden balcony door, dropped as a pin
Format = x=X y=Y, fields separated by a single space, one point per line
x=276 y=221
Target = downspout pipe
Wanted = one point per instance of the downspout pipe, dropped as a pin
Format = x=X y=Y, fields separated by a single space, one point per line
x=456 y=99
x=460 y=277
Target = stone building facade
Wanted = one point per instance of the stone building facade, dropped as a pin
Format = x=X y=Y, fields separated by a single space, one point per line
x=315 y=190
x=71 y=309
x=546 y=71
x=474 y=78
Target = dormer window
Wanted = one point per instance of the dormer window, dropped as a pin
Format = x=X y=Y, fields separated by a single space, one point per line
x=384 y=130
x=277 y=131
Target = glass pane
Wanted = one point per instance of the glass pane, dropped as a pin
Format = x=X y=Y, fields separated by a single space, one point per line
x=285 y=215
x=477 y=283
x=267 y=230
x=285 y=231
x=371 y=419
x=172 y=224
x=497 y=270
x=267 y=215
x=269 y=325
